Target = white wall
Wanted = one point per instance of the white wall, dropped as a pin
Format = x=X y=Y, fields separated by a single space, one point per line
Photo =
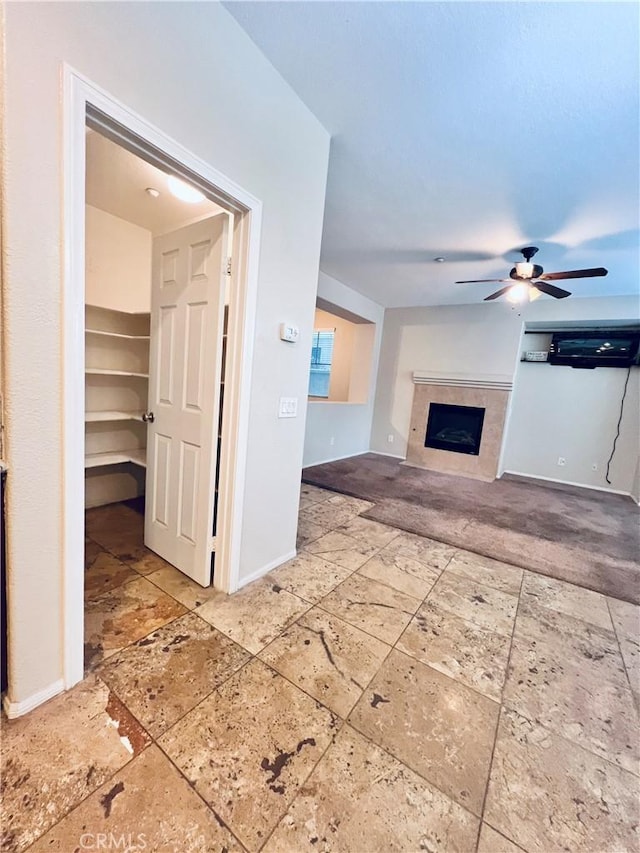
x=347 y=423
x=220 y=98
x=565 y=412
x=117 y=262
x=486 y=338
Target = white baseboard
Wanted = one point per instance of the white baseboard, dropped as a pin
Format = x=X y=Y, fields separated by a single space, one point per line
x=569 y=483
x=263 y=570
x=336 y=458
x=390 y=455
x=18 y=709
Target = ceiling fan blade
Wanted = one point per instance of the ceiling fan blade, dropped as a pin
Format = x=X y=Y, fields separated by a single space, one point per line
x=551 y=290
x=483 y=280
x=498 y=293
x=555 y=276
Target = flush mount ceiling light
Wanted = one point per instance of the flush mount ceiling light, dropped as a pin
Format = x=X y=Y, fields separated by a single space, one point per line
x=153 y=192
x=184 y=191
x=439 y=260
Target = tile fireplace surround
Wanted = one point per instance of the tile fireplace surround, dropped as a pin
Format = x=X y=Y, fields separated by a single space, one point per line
x=490 y=392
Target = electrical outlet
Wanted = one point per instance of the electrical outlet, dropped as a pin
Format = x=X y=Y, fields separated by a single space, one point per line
x=332 y=440
x=562 y=461
x=390 y=438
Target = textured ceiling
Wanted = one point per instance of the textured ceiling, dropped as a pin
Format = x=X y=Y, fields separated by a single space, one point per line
x=467 y=130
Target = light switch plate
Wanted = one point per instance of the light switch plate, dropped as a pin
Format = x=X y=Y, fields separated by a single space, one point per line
x=288 y=407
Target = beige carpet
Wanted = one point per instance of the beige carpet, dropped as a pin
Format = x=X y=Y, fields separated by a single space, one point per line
x=583 y=536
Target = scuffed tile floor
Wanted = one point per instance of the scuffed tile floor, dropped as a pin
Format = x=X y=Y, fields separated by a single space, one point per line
x=380 y=692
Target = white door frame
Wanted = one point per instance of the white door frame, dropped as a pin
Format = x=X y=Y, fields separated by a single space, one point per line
x=79 y=94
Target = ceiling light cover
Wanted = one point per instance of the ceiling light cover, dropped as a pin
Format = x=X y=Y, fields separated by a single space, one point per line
x=184 y=191
x=518 y=293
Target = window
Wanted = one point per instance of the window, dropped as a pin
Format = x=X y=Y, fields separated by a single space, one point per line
x=321 y=358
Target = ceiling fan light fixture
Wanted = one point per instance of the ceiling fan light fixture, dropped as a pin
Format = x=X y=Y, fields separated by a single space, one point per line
x=534 y=293
x=518 y=293
x=524 y=269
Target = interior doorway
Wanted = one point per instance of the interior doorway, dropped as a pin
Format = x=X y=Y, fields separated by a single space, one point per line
x=197 y=472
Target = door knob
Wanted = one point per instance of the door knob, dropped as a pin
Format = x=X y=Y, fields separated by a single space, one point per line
x=148 y=417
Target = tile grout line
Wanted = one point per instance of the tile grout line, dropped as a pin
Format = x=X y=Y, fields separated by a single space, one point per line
x=501 y=706
x=624 y=663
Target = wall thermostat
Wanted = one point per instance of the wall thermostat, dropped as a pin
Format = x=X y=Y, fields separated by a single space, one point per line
x=289 y=333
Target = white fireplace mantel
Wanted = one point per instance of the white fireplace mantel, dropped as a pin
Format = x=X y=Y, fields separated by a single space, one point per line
x=501 y=381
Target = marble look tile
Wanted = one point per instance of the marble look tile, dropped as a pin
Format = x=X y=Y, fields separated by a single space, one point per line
x=248 y=748
x=625 y=617
x=483 y=605
x=182 y=588
x=146 y=806
x=124 y=615
x=328 y=514
x=574 y=683
x=402 y=573
x=341 y=549
x=255 y=615
x=118 y=529
x=376 y=608
x=435 y=725
x=305 y=502
x=492 y=842
x=166 y=674
x=308 y=531
x=145 y=562
x=104 y=572
x=314 y=493
x=60 y=752
x=309 y=577
x=360 y=798
x=356 y=505
x=91 y=551
x=369 y=532
x=567 y=598
x=327 y=658
x=426 y=551
x=457 y=648
x=546 y=793
x=626 y=621
x=490 y=572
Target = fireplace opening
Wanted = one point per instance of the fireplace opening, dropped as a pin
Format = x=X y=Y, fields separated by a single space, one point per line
x=455 y=428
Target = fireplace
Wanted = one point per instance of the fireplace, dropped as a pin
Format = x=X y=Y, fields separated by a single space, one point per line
x=454 y=428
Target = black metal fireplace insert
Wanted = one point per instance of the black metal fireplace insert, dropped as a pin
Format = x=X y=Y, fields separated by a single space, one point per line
x=455 y=428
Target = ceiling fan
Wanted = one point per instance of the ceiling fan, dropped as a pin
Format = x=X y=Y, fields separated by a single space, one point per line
x=528 y=281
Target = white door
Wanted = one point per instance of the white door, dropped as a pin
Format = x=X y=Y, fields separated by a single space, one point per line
x=187 y=308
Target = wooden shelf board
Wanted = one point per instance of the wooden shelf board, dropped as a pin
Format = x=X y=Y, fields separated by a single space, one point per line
x=118 y=335
x=116 y=457
x=101 y=417
x=101 y=371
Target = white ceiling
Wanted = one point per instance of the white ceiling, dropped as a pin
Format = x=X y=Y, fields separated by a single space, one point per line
x=116 y=181
x=467 y=130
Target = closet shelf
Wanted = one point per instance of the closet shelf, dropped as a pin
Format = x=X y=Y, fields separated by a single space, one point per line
x=116 y=457
x=118 y=335
x=101 y=417
x=100 y=371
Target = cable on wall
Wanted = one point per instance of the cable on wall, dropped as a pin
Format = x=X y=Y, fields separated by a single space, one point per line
x=613 y=449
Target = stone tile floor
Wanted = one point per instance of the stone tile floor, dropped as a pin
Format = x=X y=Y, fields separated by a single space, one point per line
x=380 y=692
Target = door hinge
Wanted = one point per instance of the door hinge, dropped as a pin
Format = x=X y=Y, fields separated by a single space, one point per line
x=228 y=266
x=212 y=544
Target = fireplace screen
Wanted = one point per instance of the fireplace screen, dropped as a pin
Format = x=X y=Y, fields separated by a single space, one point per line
x=456 y=428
